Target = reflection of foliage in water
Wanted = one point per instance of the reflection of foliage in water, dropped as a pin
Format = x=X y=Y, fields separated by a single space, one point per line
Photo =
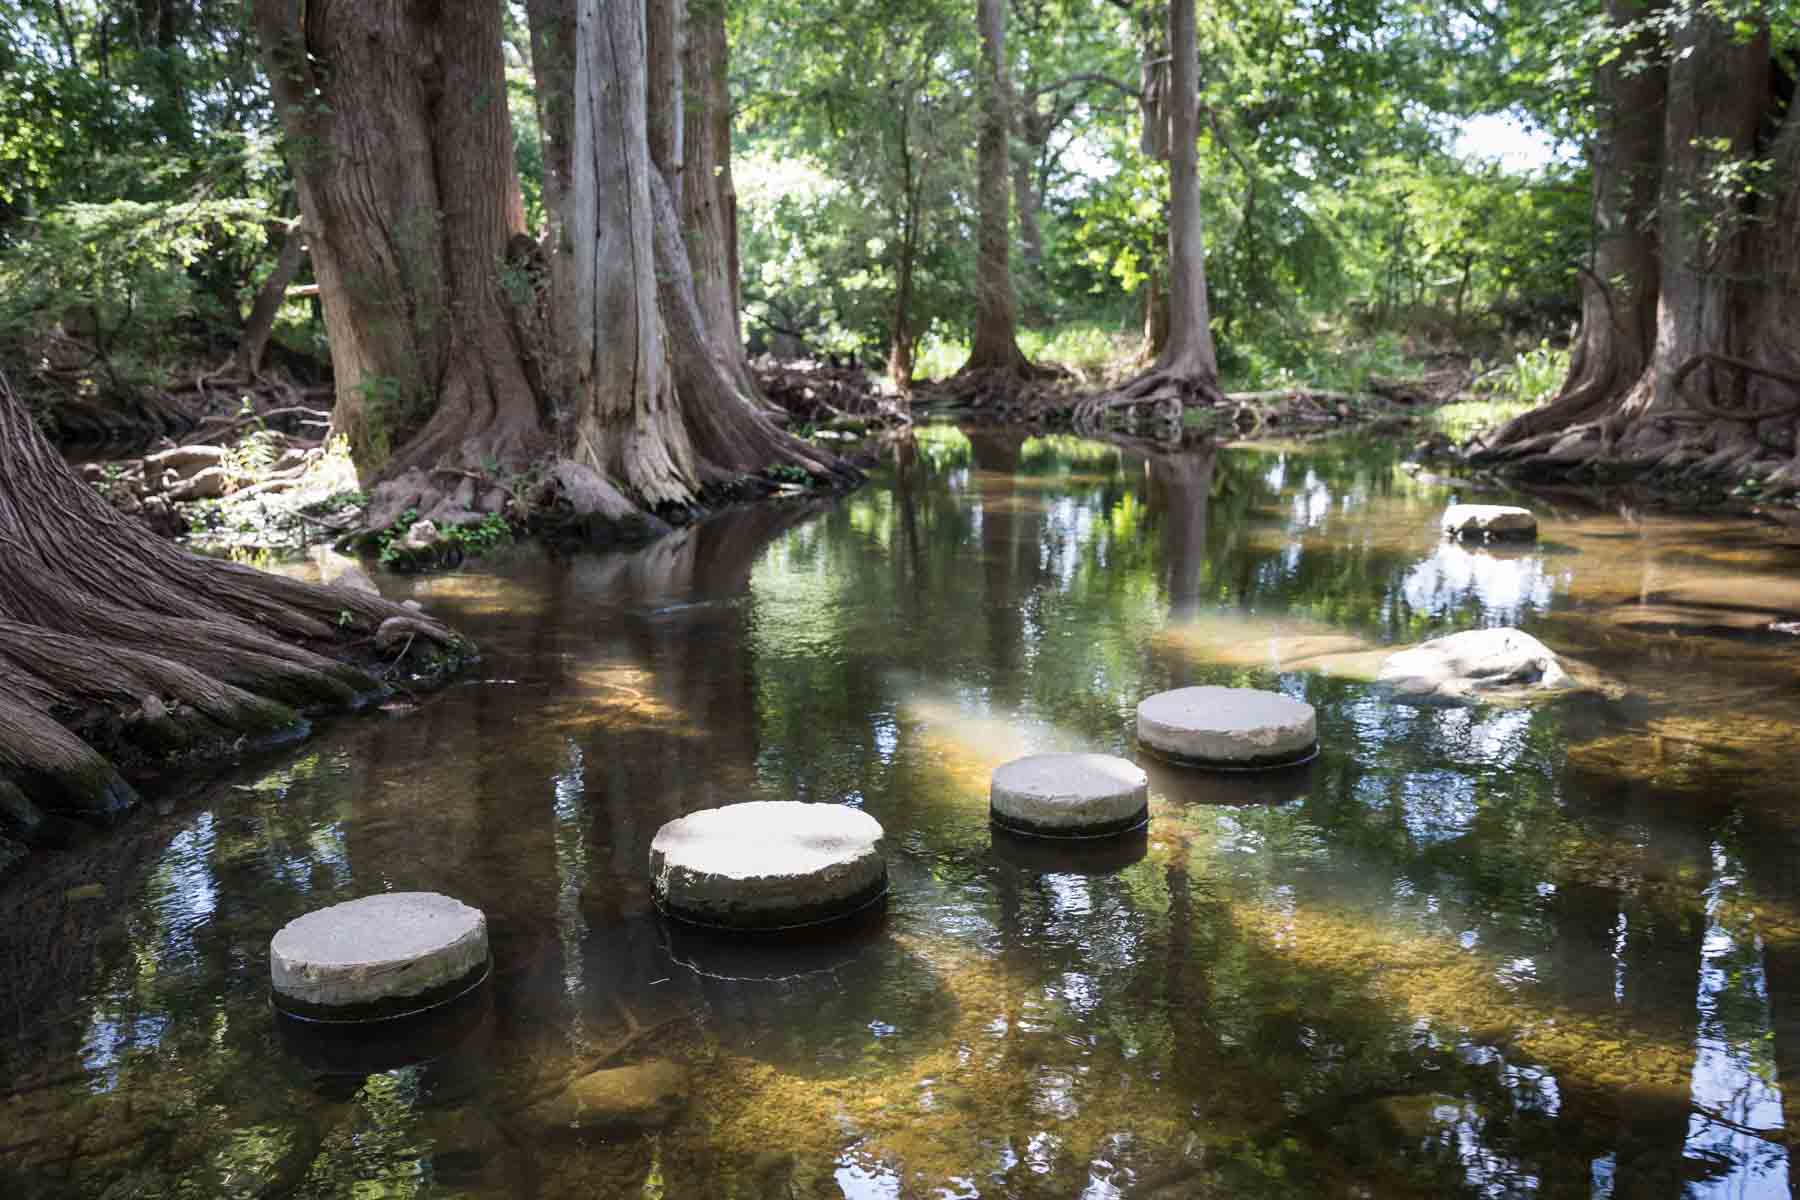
x=1478 y=952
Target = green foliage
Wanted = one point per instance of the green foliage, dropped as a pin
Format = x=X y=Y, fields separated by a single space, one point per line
x=859 y=123
x=1534 y=375
x=788 y=473
x=490 y=533
x=1529 y=381
x=121 y=287
x=481 y=537
x=387 y=541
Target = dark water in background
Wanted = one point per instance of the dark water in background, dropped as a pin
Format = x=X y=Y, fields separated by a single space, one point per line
x=1467 y=952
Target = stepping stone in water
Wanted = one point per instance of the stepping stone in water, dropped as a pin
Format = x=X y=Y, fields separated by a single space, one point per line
x=1069 y=796
x=1491 y=522
x=768 y=864
x=1237 y=728
x=378 y=957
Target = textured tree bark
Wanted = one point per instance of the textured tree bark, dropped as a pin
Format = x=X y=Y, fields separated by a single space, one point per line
x=1186 y=369
x=1189 y=354
x=686 y=413
x=1156 y=316
x=708 y=198
x=1620 y=288
x=113 y=638
x=1686 y=359
x=1028 y=200
x=995 y=346
x=901 y=334
x=401 y=149
x=627 y=420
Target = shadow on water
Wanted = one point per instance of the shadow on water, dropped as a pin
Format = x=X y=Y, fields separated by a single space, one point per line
x=1468 y=952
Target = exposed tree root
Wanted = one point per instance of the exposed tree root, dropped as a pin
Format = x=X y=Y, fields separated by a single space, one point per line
x=117 y=645
x=1156 y=399
x=1010 y=388
x=1695 y=445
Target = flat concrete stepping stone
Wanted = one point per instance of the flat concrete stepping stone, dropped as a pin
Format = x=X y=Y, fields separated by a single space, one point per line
x=768 y=864
x=1490 y=522
x=1234 y=728
x=378 y=957
x=1069 y=795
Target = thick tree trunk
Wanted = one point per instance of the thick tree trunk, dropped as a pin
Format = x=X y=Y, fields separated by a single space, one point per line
x=1186 y=370
x=1189 y=355
x=724 y=414
x=1028 y=199
x=405 y=178
x=627 y=418
x=1620 y=286
x=1156 y=316
x=111 y=638
x=708 y=196
x=995 y=346
x=901 y=334
x=1686 y=357
x=677 y=409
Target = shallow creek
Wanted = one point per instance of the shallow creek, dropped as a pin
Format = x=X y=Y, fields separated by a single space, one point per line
x=1494 y=952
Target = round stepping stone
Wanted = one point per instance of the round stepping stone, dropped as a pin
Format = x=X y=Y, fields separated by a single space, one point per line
x=1490 y=521
x=1236 y=728
x=382 y=956
x=768 y=864
x=1069 y=795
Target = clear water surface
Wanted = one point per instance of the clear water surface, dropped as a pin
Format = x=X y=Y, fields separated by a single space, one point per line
x=1488 y=952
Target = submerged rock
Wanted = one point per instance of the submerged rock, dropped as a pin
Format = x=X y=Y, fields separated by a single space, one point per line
x=643 y=1097
x=1489 y=521
x=1474 y=666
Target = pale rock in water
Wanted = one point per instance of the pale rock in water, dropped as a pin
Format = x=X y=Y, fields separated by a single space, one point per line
x=422 y=536
x=1473 y=666
x=1490 y=521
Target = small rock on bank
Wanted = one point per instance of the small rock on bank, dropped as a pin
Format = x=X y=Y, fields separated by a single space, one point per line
x=1474 y=666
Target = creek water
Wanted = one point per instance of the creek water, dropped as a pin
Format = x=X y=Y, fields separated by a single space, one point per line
x=1488 y=952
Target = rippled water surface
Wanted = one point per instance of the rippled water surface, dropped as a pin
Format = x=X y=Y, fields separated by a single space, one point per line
x=1482 y=952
